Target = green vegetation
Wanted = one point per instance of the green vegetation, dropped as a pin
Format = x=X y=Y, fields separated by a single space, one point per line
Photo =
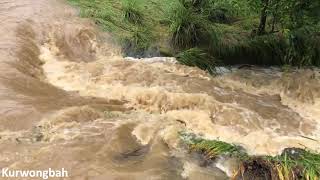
x=199 y=58
x=293 y=163
x=262 y=32
x=132 y=12
x=137 y=24
x=189 y=28
x=211 y=149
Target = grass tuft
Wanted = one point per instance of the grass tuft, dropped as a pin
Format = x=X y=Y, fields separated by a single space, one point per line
x=188 y=28
x=199 y=58
x=292 y=163
x=132 y=12
x=295 y=163
x=211 y=149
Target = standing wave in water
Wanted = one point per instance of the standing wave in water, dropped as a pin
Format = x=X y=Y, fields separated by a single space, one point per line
x=70 y=100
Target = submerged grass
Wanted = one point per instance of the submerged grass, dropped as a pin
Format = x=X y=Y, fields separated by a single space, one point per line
x=293 y=163
x=199 y=58
x=212 y=149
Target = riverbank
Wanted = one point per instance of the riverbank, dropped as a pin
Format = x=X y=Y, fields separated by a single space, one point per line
x=206 y=34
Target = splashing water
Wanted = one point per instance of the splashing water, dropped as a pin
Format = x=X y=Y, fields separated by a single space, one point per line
x=68 y=99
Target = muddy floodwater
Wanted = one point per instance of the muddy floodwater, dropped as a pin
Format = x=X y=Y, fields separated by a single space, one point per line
x=68 y=99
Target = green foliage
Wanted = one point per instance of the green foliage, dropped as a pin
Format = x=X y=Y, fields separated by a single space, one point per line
x=293 y=163
x=235 y=8
x=237 y=47
x=289 y=14
x=199 y=58
x=296 y=13
x=132 y=12
x=299 y=47
x=223 y=29
x=211 y=149
x=193 y=3
x=187 y=27
x=126 y=21
x=303 y=47
x=138 y=41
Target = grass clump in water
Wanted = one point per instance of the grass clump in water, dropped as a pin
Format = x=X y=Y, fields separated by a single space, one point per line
x=295 y=163
x=211 y=149
x=199 y=58
x=291 y=164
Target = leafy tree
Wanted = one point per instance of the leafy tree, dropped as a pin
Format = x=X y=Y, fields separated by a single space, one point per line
x=291 y=14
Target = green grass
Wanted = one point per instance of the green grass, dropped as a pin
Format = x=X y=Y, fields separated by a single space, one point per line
x=190 y=26
x=199 y=58
x=128 y=19
x=223 y=29
x=132 y=12
x=137 y=42
x=302 y=163
x=293 y=163
x=211 y=149
x=187 y=28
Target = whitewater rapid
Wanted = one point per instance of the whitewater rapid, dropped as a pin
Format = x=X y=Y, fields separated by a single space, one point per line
x=70 y=100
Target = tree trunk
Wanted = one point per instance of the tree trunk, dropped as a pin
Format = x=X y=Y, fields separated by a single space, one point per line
x=263 y=18
x=274 y=18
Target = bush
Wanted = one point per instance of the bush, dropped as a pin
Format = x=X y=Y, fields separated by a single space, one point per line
x=303 y=47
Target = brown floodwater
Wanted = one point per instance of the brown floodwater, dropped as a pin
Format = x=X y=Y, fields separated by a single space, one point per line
x=68 y=99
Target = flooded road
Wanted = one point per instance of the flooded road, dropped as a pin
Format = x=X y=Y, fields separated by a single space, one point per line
x=69 y=100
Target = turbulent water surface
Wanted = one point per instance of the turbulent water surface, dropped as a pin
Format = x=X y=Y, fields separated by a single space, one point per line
x=69 y=100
